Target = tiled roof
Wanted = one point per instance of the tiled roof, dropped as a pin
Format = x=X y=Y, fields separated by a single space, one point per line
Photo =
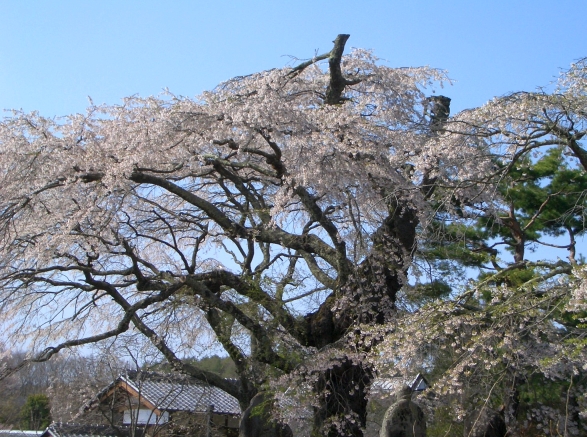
x=76 y=430
x=18 y=433
x=170 y=392
x=387 y=385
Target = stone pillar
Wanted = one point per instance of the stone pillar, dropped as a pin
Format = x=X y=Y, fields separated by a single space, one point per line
x=404 y=418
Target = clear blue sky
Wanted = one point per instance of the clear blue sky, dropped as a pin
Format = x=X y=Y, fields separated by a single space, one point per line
x=53 y=54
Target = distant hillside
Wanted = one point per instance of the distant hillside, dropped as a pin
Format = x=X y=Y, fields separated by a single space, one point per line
x=222 y=366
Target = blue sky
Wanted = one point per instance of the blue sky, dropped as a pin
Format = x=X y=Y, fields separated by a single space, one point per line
x=53 y=54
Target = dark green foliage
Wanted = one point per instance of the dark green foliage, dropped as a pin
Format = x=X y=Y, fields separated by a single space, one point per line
x=538 y=390
x=35 y=414
x=543 y=197
x=434 y=290
x=553 y=187
x=427 y=292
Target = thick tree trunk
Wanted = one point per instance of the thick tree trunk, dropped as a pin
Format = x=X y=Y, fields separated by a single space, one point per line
x=342 y=408
x=369 y=297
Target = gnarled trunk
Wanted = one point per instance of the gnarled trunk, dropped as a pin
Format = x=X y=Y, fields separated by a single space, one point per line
x=369 y=297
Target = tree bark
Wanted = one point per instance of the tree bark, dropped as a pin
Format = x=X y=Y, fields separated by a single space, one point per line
x=342 y=388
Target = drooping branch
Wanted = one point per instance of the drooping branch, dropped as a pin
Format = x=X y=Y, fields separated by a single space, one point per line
x=210 y=209
x=267 y=354
x=122 y=326
x=255 y=201
x=301 y=67
x=317 y=215
x=318 y=273
x=223 y=333
x=310 y=243
x=217 y=278
x=49 y=352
